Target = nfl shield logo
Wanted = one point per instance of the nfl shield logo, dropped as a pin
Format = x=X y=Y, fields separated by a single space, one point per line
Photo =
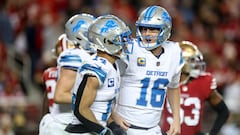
x=158 y=63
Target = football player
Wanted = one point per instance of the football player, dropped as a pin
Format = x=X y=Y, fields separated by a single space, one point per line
x=76 y=29
x=68 y=62
x=197 y=86
x=151 y=72
x=98 y=80
x=50 y=123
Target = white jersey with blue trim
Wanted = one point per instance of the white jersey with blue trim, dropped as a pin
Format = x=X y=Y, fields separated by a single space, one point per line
x=72 y=58
x=145 y=81
x=109 y=83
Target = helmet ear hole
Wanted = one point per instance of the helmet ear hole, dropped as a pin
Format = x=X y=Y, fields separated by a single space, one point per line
x=104 y=40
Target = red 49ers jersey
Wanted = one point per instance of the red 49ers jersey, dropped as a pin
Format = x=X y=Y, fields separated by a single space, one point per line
x=193 y=95
x=50 y=80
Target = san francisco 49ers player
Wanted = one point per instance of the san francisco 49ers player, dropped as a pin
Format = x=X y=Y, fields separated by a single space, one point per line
x=50 y=109
x=197 y=86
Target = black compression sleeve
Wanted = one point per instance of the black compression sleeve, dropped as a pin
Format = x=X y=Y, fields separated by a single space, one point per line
x=222 y=116
x=89 y=125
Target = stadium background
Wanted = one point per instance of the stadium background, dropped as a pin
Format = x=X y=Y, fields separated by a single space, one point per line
x=29 y=30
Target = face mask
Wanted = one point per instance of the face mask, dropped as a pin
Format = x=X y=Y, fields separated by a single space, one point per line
x=195 y=73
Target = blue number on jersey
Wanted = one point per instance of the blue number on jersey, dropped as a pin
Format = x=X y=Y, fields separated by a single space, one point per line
x=156 y=91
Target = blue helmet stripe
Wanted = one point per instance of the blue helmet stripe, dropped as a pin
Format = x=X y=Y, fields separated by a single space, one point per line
x=149 y=13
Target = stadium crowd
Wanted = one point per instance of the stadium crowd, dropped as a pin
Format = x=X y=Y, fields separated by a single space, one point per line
x=29 y=29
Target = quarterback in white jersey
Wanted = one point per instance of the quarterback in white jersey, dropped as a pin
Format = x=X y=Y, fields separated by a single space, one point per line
x=152 y=71
x=145 y=82
x=98 y=80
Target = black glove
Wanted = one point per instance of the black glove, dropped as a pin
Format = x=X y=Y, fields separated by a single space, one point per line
x=116 y=129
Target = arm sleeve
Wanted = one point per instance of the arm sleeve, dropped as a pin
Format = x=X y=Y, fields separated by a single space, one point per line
x=222 y=116
x=89 y=125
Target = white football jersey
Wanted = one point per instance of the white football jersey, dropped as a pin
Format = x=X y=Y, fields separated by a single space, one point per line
x=145 y=81
x=70 y=59
x=109 y=80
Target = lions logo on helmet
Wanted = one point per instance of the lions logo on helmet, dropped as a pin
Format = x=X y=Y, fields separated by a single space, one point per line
x=109 y=34
x=76 y=29
x=194 y=63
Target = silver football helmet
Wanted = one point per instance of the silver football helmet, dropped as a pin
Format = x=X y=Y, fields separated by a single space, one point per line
x=109 y=34
x=76 y=29
x=194 y=63
x=154 y=17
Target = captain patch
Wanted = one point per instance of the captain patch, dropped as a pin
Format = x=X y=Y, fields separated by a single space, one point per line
x=141 y=61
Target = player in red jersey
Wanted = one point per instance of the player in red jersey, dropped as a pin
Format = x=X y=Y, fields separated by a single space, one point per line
x=197 y=86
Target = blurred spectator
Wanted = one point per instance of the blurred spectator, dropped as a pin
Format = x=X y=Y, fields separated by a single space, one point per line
x=9 y=82
x=6 y=125
x=102 y=7
x=126 y=11
x=231 y=96
x=12 y=97
x=6 y=30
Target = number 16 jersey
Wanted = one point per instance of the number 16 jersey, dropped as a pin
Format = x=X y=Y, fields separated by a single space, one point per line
x=144 y=83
